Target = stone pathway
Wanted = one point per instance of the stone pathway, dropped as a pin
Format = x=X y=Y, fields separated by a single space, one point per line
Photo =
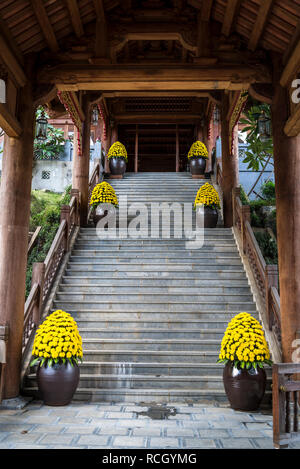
x=93 y=426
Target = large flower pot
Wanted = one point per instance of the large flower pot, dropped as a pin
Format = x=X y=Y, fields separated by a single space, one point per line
x=117 y=167
x=210 y=217
x=245 y=389
x=197 y=167
x=58 y=383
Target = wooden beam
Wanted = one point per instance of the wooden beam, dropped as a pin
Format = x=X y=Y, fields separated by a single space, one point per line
x=261 y=20
x=292 y=67
x=75 y=17
x=206 y=9
x=9 y=123
x=10 y=40
x=153 y=78
x=46 y=27
x=231 y=13
x=11 y=62
x=262 y=92
x=99 y=7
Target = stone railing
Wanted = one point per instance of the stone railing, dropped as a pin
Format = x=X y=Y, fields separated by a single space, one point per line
x=265 y=276
x=3 y=342
x=286 y=394
x=43 y=273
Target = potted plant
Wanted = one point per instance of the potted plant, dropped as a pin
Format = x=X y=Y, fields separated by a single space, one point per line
x=197 y=156
x=207 y=203
x=56 y=349
x=117 y=157
x=244 y=351
x=103 y=196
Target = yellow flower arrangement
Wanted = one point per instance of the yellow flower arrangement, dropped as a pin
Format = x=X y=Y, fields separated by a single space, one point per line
x=103 y=193
x=244 y=343
x=117 y=150
x=57 y=339
x=207 y=196
x=198 y=149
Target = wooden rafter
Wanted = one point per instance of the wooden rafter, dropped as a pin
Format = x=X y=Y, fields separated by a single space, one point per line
x=292 y=67
x=231 y=13
x=206 y=9
x=261 y=20
x=9 y=123
x=46 y=27
x=11 y=62
x=99 y=7
x=75 y=17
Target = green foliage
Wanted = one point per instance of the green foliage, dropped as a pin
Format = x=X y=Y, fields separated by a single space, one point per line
x=268 y=247
x=52 y=146
x=268 y=190
x=259 y=151
x=243 y=196
x=45 y=212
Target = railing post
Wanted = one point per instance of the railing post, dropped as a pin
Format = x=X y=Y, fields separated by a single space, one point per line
x=38 y=276
x=245 y=217
x=65 y=215
x=75 y=193
x=271 y=276
x=236 y=192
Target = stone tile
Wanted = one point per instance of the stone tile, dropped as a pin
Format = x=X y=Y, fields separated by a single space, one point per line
x=120 y=415
x=72 y=421
x=258 y=426
x=43 y=419
x=113 y=431
x=264 y=443
x=237 y=443
x=198 y=424
x=200 y=443
x=81 y=429
x=227 y=425
x=25 y=438
x=57 y=439
x=147 y=431
x=180 y=432
x=214 y=433
x=46 y=429
x=244 y=433
x=164 y=443
x=91 y=440
x=129 y=442
x=14 y=427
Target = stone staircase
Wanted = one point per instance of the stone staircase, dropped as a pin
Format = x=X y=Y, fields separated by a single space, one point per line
x=151 y=313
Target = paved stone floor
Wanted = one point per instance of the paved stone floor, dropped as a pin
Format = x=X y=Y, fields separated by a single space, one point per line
x=90 y=425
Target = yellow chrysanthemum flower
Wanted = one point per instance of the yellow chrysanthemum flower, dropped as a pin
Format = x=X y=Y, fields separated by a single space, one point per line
x=50 y=346
x=244 y=343
x=207 y=196
x=117 y=150
x=103 y=193
x=198 y=149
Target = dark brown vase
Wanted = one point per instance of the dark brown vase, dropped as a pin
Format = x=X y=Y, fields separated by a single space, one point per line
x=245 y=389
x=210 y=218
x=197 y=167
x=117 y=166
x=58 y=383
x=98 y=214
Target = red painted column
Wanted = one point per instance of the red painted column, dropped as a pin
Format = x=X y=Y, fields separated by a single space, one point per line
x=15 y=198
x=287 y=181
x=229 y=166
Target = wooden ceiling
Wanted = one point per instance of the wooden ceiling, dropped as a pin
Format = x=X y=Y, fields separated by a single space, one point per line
x=61 y=25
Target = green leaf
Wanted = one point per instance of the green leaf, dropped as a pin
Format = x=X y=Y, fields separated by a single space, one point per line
x=243 y=364
x=35 y=361
x=248 y=365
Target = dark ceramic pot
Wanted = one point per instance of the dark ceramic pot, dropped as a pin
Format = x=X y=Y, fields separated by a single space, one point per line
x=58 y=383
x=245 y=389
x=210 y=217
x=117 y=166
x=197 y=166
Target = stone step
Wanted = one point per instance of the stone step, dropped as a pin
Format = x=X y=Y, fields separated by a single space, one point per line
x=157 y=264
x=152 y=297
x=151 y=289
x=150 y=333
x=190 y=276
x=154 y=282
x=158 y=324
x=155 y=356
x=150 y=345
x=135 y=314
x=218 y=251
x=145 y=381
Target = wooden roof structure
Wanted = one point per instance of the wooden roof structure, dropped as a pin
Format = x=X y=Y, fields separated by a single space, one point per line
x=130 y=48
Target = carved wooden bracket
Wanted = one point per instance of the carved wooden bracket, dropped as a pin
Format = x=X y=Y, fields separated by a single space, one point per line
x=236 y=108
x=72 y=106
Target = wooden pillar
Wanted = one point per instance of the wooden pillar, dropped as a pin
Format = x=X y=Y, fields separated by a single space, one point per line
x=177 y=149
x=107 y=147
x=229 y=166
x=287 y=177
x=114 y=134
x=81 y=163
x=136 y=150
x=15 y=197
